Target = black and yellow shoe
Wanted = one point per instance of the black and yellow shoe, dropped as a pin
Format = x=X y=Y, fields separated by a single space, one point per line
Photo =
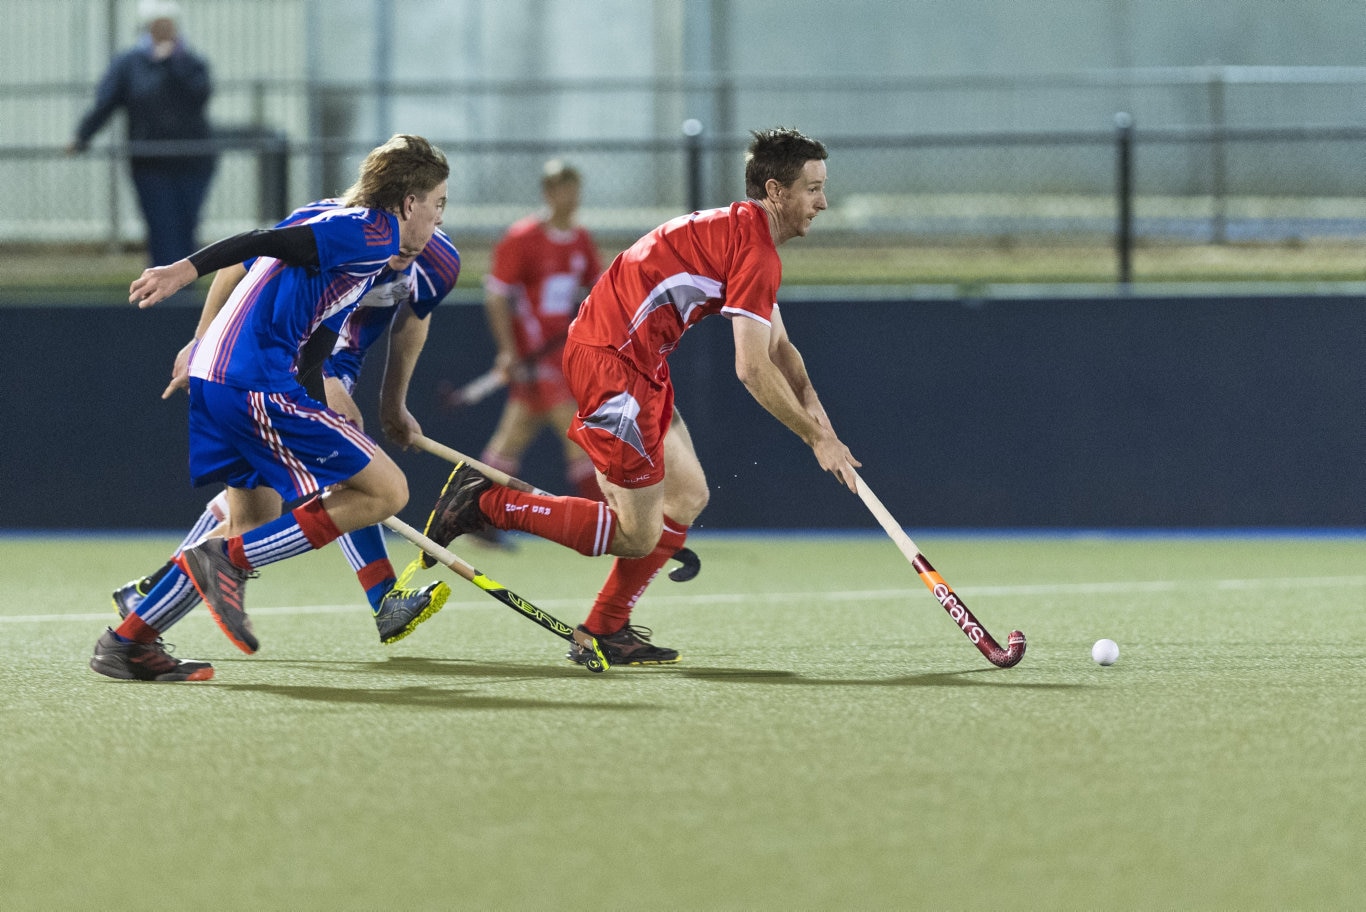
x=129 y=596
x=401 y=610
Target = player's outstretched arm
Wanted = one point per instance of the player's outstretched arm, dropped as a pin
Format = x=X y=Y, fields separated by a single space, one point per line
x=498 y=312
x=770 y=387
x=793 y=366
x=294 y=245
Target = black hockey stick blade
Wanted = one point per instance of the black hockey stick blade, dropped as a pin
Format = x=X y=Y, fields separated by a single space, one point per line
x=689 y=565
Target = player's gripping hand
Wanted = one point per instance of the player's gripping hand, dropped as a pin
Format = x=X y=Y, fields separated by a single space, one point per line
x=158 y=283
x=836 y=459
x=180 y=370
x=399 y=425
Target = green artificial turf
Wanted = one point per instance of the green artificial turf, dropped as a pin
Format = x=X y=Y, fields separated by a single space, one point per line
x=830 y=740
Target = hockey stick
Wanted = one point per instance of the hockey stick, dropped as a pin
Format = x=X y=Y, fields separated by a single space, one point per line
x=972 y=629
x=597 y=664
x=477 y=390
x=689 y=563
x=491 y=380
x=454 y=456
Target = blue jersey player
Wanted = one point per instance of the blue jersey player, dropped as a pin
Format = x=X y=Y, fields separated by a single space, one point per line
x=400 y=301
x=253 y=427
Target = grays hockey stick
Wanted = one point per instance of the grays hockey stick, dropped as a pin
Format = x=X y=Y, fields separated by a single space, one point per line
x=971 y=627
x=477 y=390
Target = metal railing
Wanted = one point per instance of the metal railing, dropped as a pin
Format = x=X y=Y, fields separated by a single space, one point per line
x=930 y=189
x=1243 y=172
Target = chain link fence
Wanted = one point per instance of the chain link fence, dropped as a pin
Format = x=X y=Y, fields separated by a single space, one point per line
x=1095 y=204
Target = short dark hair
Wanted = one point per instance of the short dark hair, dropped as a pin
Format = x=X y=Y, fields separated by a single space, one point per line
x=778 y=154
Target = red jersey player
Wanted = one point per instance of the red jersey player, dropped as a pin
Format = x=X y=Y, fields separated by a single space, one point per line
x=722 y=261
x=539 y=272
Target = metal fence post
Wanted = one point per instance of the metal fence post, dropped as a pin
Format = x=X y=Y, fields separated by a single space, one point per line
x=1218 y=158
x=1124 y=190
x=119 y=155
x=692 y=141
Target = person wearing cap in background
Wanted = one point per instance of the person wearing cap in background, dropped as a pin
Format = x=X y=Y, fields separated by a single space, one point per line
x=164 y=88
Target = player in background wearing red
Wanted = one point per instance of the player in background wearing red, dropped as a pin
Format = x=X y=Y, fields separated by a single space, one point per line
x=539 y=271
x=719 y=261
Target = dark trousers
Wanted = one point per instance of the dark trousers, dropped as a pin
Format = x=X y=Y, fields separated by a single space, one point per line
x=171 y=193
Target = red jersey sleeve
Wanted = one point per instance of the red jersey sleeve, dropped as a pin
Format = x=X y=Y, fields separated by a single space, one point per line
x=716 y=261
x=755 y=270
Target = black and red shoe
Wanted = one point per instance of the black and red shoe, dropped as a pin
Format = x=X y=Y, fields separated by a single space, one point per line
x=628 y=646
x=457 y=509
x=222 y=585
x=129 y=661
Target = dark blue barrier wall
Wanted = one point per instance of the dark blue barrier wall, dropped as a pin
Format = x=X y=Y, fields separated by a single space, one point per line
x=1115 y=412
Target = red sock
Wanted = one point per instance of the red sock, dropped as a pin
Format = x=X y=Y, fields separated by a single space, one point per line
x=136 y=629
x=306 y=528
x=317 y=524
x=376 y=573
x=586 y=526
x=628 y=579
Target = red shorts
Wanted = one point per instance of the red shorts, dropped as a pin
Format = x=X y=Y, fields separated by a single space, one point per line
x=623 y=415
x=545 y=388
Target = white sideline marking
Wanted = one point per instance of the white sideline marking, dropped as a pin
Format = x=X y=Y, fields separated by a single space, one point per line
x=970 y=592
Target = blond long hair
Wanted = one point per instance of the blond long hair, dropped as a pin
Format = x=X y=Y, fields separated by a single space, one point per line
x=404 y=165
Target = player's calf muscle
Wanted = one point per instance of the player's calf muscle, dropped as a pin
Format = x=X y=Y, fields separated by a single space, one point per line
x=635 y=542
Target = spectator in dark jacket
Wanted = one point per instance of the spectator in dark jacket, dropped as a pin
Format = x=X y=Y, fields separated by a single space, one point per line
x=164 y=88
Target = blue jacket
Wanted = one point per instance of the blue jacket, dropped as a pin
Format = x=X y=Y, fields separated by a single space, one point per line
x=165 y=99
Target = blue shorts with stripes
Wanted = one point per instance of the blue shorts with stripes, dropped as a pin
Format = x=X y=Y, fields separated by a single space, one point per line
x=286 y=441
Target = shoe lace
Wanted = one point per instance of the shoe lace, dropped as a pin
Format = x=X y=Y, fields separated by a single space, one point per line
x=161 y=654
x=640 y=633
x=399 y=594
x=242 y=573
x=408 y=573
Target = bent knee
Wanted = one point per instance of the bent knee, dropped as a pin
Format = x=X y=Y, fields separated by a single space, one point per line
x=687 y=503
x=694 y=505
x=394 y=495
